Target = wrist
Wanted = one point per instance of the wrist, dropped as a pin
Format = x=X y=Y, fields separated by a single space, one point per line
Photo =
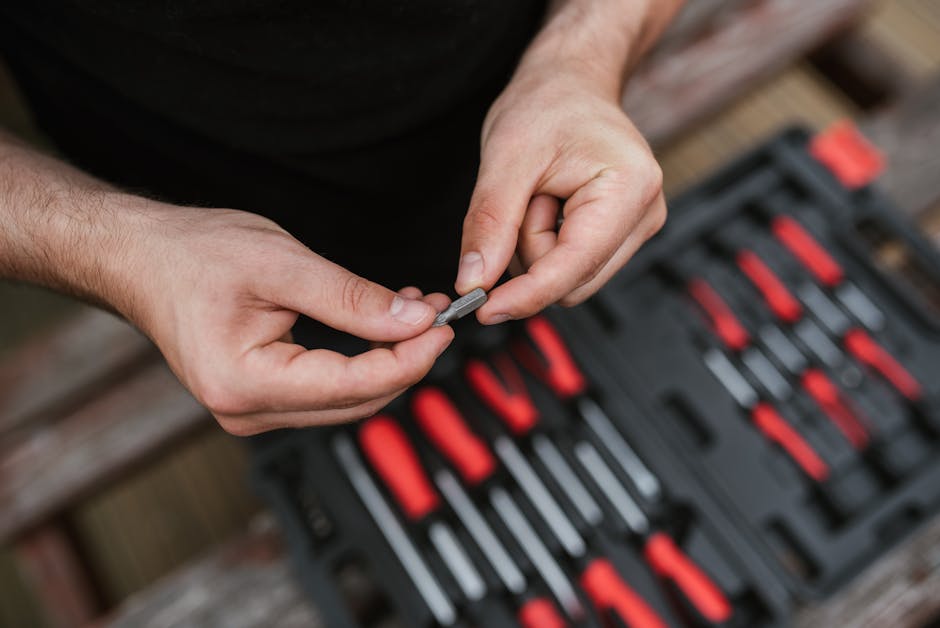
x=98 y=243
x=594 y=42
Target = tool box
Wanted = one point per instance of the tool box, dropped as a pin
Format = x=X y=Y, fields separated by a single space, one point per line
x=744 y=418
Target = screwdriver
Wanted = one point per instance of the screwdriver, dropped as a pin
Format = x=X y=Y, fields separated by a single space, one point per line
x=399 y=463
x=429 y=589
x=433 y=403
x=445 y=428
x=502 y=388
x=813 y=381
x=859 y=343
x=711 y=604
x=660 y=550
x=604 y=586
x=821 y=264
x=765 y=417
x=545 y=355
x=734 y=326
x=386 y=446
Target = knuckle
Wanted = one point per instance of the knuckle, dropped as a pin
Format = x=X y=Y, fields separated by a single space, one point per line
x=658 y=220
x=238 y=427
x=594 y=261
x=651 y=179
x=574 y=299
x=485 y=217
x=354 y=293
x=221 y=399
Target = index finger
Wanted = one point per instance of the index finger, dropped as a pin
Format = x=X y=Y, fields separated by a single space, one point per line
x=586 y=241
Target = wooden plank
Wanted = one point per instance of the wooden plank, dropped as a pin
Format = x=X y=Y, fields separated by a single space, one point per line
x=247 y=583
x=52 y=466
x=68 y=365
x=909 y=134
x=902 y=590
x=57 y=576
x=862 y=69
x=674 y=91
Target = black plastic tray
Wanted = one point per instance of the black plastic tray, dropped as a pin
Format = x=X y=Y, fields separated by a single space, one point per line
x=766 y=534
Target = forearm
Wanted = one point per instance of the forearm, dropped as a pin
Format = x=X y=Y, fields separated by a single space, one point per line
x=599 y=39
x=63 y=229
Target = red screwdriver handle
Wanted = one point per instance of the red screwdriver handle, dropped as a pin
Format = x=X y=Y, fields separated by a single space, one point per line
x=442 y=423
x=867 y=351
x=807 y=250
x=775 y=294
x=724 y=323
x=549 y=359
x=609 y=592
x=670 y=562
x=777 y=430
x=391 y=455
x=826 y=394
x=504 y=392
x=540 y=613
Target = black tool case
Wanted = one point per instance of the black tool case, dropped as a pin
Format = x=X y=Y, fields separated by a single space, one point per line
x=770 y=520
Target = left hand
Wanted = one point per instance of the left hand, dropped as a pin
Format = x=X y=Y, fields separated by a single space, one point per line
x=556 y=141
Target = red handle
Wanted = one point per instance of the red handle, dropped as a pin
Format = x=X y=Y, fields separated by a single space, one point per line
x=670 y=562
x=807 y=250
x=724 y=323
x=505 y=393
x=775 y=294
x=867 y=351
x=387 y=448
x=827 y=395
x=540 y=613
x=548 y=358
x=776 y=429
x=609 y=592
x=445 y=427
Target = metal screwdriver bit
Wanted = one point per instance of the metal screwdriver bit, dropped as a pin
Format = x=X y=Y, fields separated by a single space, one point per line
x=461 y=307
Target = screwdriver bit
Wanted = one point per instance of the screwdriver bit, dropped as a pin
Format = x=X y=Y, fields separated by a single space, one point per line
x=461 y=307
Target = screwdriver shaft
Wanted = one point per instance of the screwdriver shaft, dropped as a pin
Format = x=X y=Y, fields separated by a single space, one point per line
x=418 y=571
x=543 y=501
x=612 y=489
x=646 y=483
x=454 y=556
x=566 y=479
x=481 y=532
x=541 y=558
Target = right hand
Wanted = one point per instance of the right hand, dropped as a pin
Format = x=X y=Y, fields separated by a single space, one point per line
x=218 y=292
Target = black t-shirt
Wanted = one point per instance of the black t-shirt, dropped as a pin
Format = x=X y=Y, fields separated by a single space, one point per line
x=353 y=123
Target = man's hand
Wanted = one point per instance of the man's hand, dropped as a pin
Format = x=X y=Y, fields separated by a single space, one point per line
x=218 y=291
x=556 y=144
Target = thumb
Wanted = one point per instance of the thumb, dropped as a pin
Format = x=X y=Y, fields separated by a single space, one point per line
x=491 y=227
x=345 y=301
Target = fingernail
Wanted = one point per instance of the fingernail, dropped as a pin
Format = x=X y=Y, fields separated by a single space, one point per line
x=470 y=271
x=496 y=319
x=409 y=310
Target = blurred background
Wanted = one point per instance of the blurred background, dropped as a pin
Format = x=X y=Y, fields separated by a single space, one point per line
x=110 y=480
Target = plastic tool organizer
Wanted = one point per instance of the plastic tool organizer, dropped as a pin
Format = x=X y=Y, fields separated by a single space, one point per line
x=746 y=417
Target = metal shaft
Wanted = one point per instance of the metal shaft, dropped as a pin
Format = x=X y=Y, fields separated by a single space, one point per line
x=427 y=585
x=565 y=477
x=612 y=489
x=480 y=530
x=457 y=561
x=543 y=561
x=646 y=483
x=535 y=490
